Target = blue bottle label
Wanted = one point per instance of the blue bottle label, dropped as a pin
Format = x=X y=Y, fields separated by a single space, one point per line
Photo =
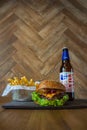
x=66 y=78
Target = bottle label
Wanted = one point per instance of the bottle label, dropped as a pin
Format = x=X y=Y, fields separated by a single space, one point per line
x=66 y=78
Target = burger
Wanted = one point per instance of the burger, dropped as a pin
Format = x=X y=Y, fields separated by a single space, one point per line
x=50 y=93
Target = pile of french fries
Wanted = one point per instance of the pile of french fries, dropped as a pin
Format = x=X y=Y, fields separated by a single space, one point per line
x=21 y=81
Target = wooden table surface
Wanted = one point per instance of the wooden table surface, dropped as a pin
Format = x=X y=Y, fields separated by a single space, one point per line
x=20 y=119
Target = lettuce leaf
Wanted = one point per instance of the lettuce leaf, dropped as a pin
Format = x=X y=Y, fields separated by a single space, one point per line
x=46 y=102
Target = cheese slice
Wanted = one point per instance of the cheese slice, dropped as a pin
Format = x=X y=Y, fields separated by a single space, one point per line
x=49 y=95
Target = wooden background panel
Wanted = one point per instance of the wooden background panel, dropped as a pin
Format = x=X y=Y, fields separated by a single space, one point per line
x=32 y=35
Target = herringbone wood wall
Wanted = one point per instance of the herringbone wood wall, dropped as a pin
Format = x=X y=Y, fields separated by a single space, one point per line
x=32 y=34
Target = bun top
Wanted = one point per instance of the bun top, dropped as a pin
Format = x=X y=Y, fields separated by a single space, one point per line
x=49 y=84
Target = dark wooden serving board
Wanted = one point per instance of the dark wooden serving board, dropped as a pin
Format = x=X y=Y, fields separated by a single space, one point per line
x=76 y=104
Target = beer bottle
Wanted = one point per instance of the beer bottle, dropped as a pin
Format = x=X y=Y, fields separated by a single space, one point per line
x=66 y=73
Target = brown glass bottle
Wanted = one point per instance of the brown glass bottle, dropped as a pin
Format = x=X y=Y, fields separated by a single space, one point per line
x=66 y=74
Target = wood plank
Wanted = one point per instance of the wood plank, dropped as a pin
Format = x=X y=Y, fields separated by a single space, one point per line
x=32 y=35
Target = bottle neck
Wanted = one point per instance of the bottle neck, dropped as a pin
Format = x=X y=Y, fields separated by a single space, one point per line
x=66 y=61
x=65 y=55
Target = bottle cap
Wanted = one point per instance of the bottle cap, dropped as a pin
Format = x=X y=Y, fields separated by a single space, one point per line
x=65 y=48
